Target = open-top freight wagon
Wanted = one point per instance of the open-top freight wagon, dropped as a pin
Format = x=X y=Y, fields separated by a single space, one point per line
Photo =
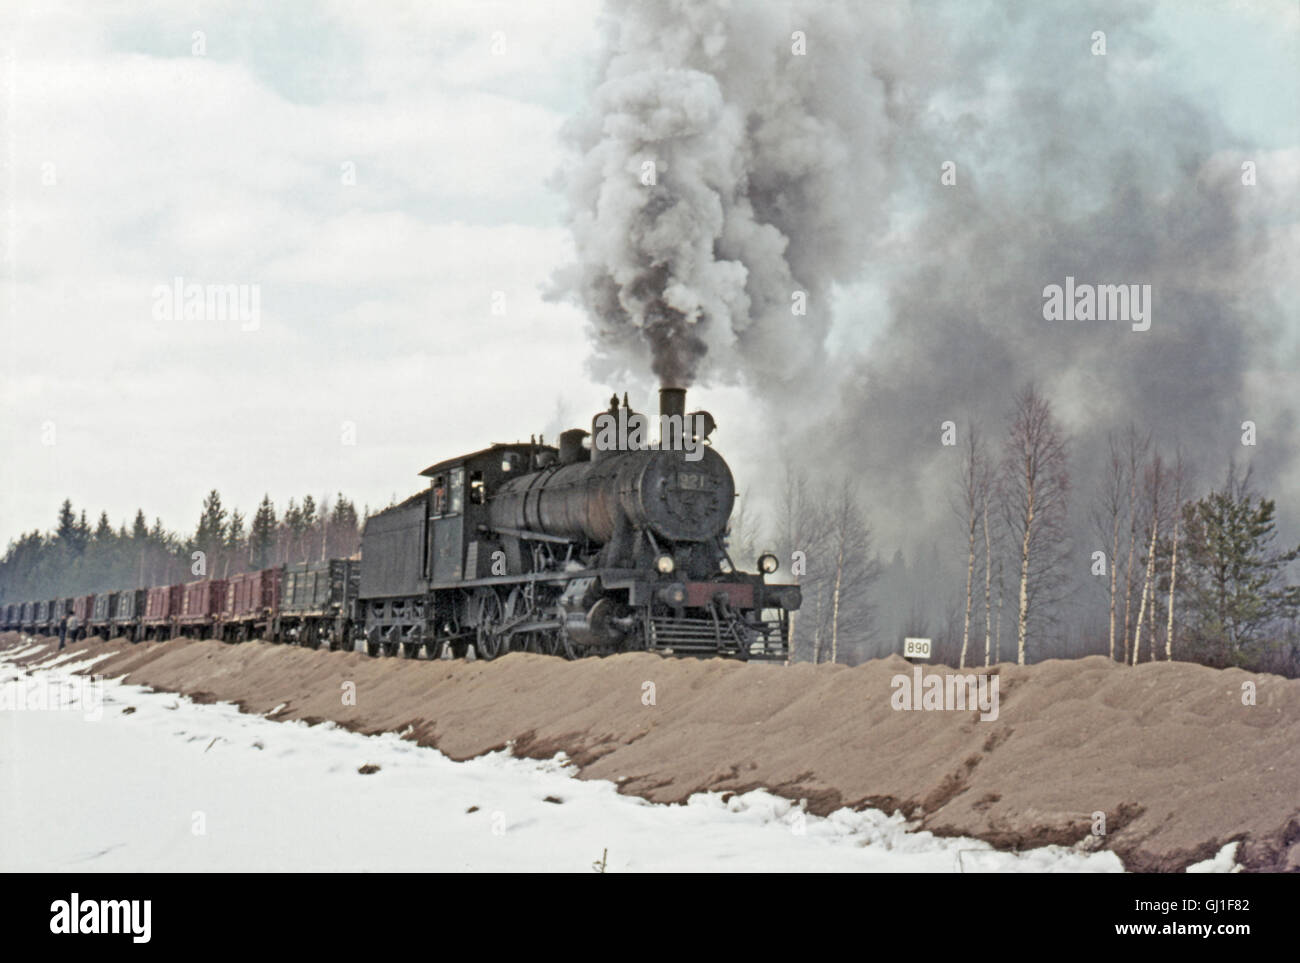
x=83 y=609
x=252 y=600
x=101 y=614
x=316 y=603
x=201 y=604
x=160 y=608
x=126 y=620
x=41 y=617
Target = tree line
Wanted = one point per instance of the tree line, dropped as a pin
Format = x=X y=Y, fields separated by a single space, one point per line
x=77 y=558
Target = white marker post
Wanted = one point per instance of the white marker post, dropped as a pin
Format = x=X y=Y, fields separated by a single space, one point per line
x=916 y=649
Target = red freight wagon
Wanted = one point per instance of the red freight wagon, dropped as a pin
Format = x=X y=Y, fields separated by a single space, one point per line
x=251 y=602
x=160 y=608
x=200 y=609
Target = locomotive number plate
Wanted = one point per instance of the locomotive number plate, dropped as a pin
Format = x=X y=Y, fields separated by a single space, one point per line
x=692 y=481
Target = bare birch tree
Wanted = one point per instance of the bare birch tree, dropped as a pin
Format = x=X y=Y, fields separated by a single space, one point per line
x=987 y=497
x=1180 y=470
x=968 y=499
x=1154 y=482
x=997 y=644
x=1036 y=485
x=1107 y=516
x=1137 y=449
x=855 y=569
x=800 y=531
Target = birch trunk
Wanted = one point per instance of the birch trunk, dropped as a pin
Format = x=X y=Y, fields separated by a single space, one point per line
x=988 y=587
x=1173 y=568
x=997 y=641
x=970 y=578
x=835 y=604
x=1146 y=588
x=1022 y=616
x=1114 y=557
x=1128 y=571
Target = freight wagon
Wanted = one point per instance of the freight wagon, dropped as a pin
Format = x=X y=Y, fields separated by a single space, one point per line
x=160 y=609
x=199 y=615
x=83 y=608
x=101 y=615
x=252 y=599
x=60 y=609
x=316 y=603
x=126 y=621
x=41 y=617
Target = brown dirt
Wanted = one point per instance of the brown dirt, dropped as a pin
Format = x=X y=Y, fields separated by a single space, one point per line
x=1167 y=751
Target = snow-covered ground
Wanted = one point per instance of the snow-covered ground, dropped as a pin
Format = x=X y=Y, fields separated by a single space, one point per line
x=175 y=786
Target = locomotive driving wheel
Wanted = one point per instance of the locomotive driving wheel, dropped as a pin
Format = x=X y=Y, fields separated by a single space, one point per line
x=560 y=642
x=488 y=615
x=517 y=607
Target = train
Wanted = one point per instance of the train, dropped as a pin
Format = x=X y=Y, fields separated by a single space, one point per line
x=601 y=544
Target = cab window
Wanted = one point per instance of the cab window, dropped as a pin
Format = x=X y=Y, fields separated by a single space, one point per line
x=456 y=497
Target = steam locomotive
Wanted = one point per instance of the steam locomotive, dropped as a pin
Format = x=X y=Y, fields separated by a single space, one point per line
x=574 y=550
x=571 y=551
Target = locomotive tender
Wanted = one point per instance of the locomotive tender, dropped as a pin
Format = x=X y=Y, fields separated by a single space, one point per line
x=576 y=550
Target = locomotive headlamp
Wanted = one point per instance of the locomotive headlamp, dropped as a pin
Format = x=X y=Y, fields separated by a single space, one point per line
x=665 y=564
x=768 y=563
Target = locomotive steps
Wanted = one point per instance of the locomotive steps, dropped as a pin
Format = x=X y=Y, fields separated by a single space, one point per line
x=1168 y=752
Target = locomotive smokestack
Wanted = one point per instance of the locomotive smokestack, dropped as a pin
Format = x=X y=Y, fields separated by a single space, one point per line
x=571 y=446
x=672 y=401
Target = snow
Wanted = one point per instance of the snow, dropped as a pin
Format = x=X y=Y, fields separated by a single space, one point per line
x=178 y=786
x=1224 y=861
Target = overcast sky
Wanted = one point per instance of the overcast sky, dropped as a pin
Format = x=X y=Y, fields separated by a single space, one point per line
x=130 y=161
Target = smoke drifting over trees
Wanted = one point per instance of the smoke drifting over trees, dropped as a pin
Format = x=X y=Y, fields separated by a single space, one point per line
x=924 y=183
